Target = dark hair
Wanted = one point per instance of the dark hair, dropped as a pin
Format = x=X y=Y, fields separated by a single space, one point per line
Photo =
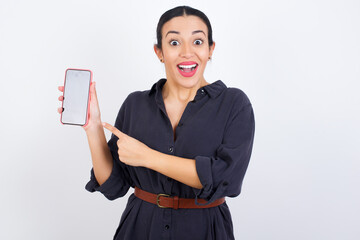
x=178 y=12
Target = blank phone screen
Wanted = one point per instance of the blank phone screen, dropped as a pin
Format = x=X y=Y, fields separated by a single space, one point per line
x=76 y=96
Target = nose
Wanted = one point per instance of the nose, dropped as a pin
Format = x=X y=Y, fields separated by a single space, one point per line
x=186 y=51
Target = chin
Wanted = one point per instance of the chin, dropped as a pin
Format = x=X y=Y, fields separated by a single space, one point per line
x=188 y=82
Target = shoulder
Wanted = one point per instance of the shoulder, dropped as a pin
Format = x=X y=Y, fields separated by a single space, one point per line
x=240 y=107
x=145 y=95
x=136 y=96
x=237 y=97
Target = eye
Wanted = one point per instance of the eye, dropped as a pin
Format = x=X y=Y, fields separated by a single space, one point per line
x=198 y=42
x=174 y=43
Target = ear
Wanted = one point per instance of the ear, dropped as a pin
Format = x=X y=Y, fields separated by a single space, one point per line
x=158 y=52
x=212 y=49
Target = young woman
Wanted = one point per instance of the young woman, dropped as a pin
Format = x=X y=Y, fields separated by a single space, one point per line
x=184 y=144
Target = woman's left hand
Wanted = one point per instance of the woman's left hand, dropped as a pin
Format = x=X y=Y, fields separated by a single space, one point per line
x=131 y=151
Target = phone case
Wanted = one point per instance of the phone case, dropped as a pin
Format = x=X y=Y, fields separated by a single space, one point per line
x=89 y=98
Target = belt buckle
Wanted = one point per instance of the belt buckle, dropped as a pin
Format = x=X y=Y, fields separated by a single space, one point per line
x=158 y=199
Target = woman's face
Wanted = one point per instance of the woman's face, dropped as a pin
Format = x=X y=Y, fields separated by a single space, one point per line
x=185 y=50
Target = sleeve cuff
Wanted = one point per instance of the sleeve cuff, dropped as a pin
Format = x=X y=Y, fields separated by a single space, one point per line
x=112 y=188
x=93 y=184
x=208 y=192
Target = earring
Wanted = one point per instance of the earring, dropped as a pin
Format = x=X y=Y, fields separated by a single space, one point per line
x=209 y=58
x=161 y=60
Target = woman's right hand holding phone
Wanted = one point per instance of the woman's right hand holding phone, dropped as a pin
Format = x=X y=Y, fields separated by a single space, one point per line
x=94 y=121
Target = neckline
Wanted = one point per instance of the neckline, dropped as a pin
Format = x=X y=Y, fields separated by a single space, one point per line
x=212 y=89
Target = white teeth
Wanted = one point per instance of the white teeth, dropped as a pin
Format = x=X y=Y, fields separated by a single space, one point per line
x=187 y=66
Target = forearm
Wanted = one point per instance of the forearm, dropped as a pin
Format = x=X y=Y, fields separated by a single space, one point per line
x=180 y=169
x=100 y=154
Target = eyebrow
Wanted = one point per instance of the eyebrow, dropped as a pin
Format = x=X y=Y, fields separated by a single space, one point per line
x=194 y=32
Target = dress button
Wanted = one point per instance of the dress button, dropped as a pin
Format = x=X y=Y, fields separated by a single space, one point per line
x=167 y=227
x=202 y=91
x=171 y=149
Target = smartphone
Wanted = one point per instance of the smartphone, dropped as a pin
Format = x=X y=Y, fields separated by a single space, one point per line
x=76 y=103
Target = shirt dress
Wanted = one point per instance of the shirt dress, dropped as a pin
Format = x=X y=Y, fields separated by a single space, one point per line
x=216 y=129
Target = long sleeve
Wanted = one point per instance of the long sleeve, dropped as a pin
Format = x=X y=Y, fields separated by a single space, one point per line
x=119 y=180
x=222 y=175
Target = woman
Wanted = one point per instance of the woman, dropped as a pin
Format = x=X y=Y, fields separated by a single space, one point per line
x=183 y=145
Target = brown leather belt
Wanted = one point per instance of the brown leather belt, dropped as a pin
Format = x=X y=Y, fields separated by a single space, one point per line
x=167 y=201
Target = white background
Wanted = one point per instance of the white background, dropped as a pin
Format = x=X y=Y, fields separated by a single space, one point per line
x=298 y=61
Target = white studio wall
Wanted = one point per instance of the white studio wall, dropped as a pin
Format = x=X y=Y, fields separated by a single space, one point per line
x=298 y=61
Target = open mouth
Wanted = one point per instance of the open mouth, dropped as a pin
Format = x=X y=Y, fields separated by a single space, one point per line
x=187 y=69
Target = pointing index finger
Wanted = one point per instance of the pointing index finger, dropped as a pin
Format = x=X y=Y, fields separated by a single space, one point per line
x=112 y=129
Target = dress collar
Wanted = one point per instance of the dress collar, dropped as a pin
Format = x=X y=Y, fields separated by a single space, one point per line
x=213 y=89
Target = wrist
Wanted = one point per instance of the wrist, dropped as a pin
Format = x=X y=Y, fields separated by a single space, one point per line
x=94 y=129
x=150 y=158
